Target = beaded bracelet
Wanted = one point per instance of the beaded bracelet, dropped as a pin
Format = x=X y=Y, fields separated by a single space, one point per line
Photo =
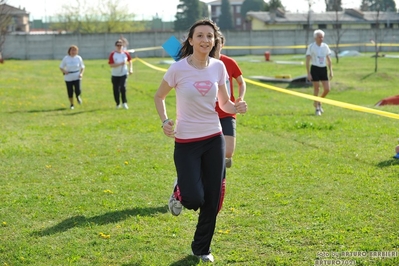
x=165 y=121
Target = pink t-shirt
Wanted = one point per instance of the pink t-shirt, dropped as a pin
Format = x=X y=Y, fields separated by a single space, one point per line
x=196 y=92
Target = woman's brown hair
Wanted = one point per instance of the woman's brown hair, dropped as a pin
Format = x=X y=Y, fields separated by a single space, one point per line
x=187 y=49
x=72 y=47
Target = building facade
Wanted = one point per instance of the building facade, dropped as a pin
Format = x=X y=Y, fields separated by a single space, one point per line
x=346 y=19
x=19 y=19
x=215 y=9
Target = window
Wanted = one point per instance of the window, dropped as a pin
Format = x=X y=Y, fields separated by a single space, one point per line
x=218 y=11
x=238 y=21
x=238 y=9
x=388 y=25
x=337 y=26
x=322 y=26
x=375 y=25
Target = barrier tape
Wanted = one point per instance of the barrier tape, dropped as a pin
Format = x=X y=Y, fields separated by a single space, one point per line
x=327 y=101
x=151 y=66
x=303 y=95
x=305 y=46
x=280 y=47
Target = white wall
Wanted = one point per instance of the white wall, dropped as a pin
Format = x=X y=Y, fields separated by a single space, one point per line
x=98 y=46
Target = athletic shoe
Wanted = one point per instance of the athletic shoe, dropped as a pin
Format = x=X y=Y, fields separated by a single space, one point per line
x=206 y=258
x=396 y=156
x=318 y=112
x=79 y=100
x=320 y=108
x=175 y=206
x=229 y=162
x=118 y=106
x=72 y=107
x=125 y=106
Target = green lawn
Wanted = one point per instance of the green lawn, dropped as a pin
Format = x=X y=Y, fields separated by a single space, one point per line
x=90 y=186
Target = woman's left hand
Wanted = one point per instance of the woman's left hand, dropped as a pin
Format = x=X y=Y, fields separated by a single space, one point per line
x=241 y=106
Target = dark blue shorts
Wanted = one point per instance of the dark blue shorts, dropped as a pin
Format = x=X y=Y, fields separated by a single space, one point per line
x=228 y=126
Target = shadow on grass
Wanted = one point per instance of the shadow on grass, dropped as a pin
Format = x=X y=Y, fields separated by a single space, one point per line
x=187 y=261
x=72 y=112
x=388 y=163
x=81 y=112
x=40 y=111
x=107 y=218
x=367 y=76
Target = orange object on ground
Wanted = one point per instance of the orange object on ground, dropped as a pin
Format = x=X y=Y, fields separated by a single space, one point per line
x=267 y=56
x=393 y=100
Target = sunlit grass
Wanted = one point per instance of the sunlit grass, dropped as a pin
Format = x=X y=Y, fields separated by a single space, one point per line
x=90 y=186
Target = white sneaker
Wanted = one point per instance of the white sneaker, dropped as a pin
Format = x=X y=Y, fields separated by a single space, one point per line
x=175 y=206
x=72 y=107
x=318 y=112
x=79 y=100
x=125 y=106
x=206 y=258
x=320 y=108
x=118 y=106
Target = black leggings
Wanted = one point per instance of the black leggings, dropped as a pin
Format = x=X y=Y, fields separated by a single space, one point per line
x=119 y=87
x=200 y=168
x=70 y=87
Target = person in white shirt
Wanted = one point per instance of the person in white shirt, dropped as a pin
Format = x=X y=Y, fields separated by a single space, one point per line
x=317 y=60
x=72 y=67
x=120 y=62
x=199 y=152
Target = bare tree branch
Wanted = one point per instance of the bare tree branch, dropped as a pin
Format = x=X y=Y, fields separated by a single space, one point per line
x=5 y=22
x=338 y=32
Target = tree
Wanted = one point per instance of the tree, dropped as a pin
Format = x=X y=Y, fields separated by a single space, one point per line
x=377 y=31
x=188 y=12
x=116 y=17
x=204 y=10
x=225 y=21
x=5 y=22
x=273 y=5
x=333 y=5
x=251 y=5
x=105 y=17
x=308 y=21
x=378 y=5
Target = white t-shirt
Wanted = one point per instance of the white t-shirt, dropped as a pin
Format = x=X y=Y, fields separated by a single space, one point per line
x=73 y=65
x=115 y=58
x=318 y=54
x=196 y=92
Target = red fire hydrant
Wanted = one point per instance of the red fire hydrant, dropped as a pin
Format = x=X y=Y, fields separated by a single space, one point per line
x=267 y=56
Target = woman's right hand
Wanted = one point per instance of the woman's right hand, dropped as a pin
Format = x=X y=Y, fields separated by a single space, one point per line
x=168 y=128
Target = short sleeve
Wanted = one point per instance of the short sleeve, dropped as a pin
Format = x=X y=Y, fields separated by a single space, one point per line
x=170 y=76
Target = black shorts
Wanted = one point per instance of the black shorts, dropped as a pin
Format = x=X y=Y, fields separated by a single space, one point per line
x=228 y=126
x=318 y=73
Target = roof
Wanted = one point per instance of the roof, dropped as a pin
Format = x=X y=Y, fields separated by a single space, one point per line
x=219 y=2
x=7 y=9
x=348 y=15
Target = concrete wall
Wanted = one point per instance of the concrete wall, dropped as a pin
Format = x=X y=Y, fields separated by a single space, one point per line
x=98 y=46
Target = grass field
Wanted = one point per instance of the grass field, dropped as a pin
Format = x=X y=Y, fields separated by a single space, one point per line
x=90 y=186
